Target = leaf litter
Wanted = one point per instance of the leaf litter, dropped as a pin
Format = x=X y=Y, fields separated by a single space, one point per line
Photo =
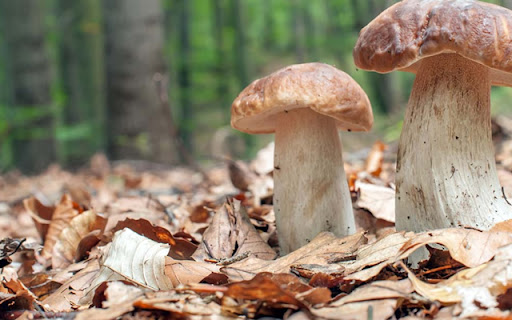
x=118 y=241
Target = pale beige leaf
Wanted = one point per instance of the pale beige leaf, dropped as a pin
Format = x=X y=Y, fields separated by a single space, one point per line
x=174 y=302
x=137 y=259
x=375 y=310
x=378 y=290
x=65 y=248
x=467 y=246
x=187 y=272
x=119 y=293
x=324 y=249
x=71 y=291
x=379 y=200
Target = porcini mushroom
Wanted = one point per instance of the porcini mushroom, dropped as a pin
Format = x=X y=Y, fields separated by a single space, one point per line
x=304 y=105
x=446 y=172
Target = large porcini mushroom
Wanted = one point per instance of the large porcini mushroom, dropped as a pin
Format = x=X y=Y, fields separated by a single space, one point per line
x=304 y=105
x=446 y=173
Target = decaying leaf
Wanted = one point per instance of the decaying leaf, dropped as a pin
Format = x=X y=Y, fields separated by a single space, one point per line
x=231 y=234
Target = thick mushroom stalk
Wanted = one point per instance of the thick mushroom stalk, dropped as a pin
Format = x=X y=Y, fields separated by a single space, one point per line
x=446 y=173
x=311 y=192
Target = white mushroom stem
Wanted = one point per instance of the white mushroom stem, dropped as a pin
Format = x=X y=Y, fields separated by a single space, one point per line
x=310 y=187
x=446 y=173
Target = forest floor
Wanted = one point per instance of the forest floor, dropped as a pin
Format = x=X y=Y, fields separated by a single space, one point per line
x=126 y=241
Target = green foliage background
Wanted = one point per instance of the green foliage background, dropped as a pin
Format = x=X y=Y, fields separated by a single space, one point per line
x=231 y=42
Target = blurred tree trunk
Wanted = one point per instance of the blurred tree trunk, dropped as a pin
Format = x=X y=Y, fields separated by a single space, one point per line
x=240 y=57
x=138 y=127
x=28 y=71
x=507 y=4
x=268 y=25
x=220 y=68
x=299 y=31
x=184 y=68
x=240 y=45
x=82 y=78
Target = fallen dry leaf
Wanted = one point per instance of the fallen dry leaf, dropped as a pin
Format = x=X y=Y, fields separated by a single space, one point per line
x=375 y=159
x=476 y=289
x=133 y=258
x=66 y=247
x=187 y=272
x=467 y=246
x=63 y=213
x=180 y=248
x=231 y=234
x=379 y=200
x=245 y=297
x=324 y=249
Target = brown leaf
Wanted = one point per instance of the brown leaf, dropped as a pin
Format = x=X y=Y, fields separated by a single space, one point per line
x=41 y=214
x=247 y=297
x=63 y=213
x=66 y=247
x=231 y=234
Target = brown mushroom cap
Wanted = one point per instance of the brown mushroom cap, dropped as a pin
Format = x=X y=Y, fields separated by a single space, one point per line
x=317 y=86
x=414 y=29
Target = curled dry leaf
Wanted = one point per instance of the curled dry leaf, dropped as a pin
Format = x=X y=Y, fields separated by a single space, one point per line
x=180 y=248
x=63 y=213
x=66 y=247
x=231 y=234
x=133 y=258
x=324 y=249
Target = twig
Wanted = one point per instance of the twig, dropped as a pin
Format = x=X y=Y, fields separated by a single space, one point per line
x=227 y=261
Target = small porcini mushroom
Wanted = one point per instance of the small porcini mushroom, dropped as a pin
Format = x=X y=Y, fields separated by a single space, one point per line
x=446 y=173
x=304 y=105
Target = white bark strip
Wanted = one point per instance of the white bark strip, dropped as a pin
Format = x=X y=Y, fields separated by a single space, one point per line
x=311 y=192
x=446 y=172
